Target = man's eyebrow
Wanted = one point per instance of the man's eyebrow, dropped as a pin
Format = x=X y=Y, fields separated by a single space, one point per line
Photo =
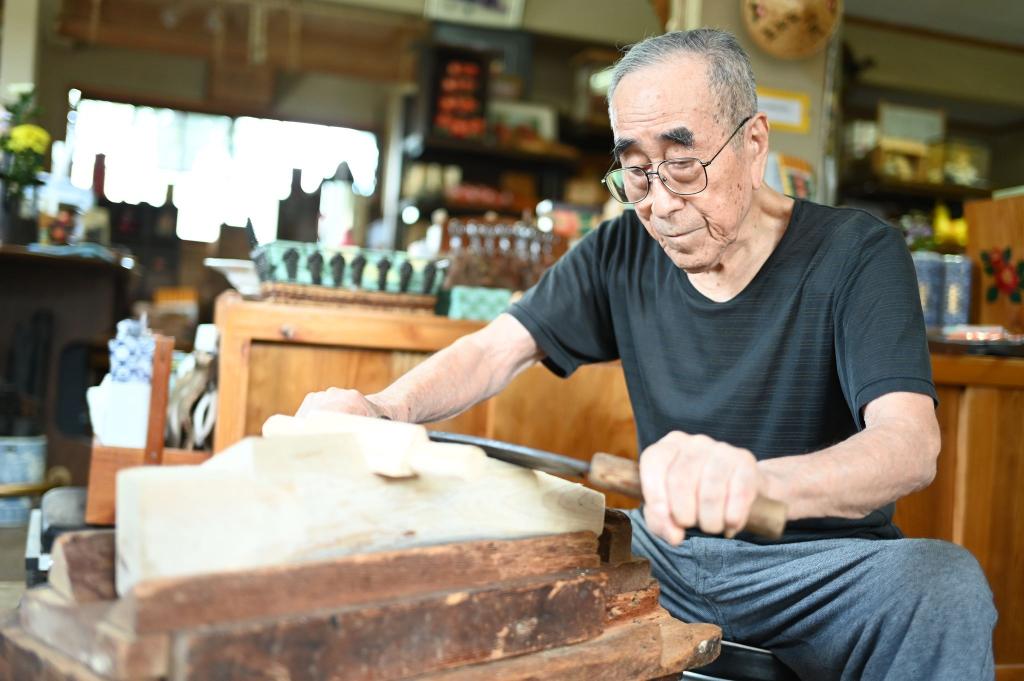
x=621 y=145
x=681 y=136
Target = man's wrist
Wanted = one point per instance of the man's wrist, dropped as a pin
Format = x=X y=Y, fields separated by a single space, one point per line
x=387 y=409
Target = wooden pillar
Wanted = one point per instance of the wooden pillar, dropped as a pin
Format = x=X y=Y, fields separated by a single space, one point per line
x=19 y=45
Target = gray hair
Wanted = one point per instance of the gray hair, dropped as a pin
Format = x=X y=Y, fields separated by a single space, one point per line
x=730 y=74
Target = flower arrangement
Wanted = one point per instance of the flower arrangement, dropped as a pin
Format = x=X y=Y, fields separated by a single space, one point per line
x=24 y=146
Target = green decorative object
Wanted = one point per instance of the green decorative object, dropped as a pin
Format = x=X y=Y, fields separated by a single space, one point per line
x=477 y=302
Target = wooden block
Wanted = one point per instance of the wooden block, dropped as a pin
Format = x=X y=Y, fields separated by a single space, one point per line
x=83 y=566
x=80 y=632
x=104 y=466
x=632 y=604
x=27 y=659
x=628 y=576
x=399 y=638
x=184 y=602
x=653 y=647
x=615 y=544
x=688 y=646
x=288 y=500
x=633 y=651
x=386 y=445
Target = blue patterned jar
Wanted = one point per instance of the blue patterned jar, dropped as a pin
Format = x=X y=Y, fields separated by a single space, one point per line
x=956 y=289
x=930 y=271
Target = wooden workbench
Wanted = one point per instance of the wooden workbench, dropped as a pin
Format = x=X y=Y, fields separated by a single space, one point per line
x=272 y=355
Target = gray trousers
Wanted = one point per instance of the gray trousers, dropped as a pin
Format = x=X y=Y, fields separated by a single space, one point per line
x=851 y=609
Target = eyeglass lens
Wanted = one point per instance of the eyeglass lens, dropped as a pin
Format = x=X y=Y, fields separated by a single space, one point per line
x=682 y=176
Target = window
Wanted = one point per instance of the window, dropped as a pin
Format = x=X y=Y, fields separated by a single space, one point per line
x=223 y=169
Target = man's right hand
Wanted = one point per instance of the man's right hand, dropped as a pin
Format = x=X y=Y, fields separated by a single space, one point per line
x=340 y=400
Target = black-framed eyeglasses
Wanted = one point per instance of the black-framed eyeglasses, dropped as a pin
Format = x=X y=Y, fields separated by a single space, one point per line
x=681 y=176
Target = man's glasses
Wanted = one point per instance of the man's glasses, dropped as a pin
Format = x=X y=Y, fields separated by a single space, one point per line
x=682 y=176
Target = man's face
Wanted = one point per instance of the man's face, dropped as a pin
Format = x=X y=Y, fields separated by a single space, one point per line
x=666 y=111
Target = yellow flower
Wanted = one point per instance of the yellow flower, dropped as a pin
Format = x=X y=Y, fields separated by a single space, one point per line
x=28 y=137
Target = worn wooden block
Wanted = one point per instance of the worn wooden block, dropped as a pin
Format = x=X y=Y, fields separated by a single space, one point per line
x=399 y=638
x=80 y=632
x=688 y=646
x=632 y=604
x=183 y=602
x=28 y=659
x=615 y=544
x=83 y=566
x=647 y=648
x=627 y=576
x=270 y=501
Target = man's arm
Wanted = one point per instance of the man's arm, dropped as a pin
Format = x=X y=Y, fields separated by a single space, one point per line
x=468 y=371
x=893 y=456
x=693 y=481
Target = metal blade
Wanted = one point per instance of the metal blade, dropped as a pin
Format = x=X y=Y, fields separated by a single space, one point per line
x=519 y=455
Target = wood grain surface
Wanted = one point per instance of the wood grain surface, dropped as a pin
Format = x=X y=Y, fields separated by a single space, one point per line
x=83 y=566
x=398 y=638
x=107 y=462
x=176 y=603
x=79 y=630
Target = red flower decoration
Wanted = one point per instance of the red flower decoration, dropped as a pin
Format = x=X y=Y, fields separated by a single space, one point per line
x=1007 y=280
x=1006 y=277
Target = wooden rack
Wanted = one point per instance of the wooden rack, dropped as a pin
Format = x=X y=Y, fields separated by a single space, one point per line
x=107 y=461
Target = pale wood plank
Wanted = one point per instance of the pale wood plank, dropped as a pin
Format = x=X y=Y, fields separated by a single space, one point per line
x=273 y=501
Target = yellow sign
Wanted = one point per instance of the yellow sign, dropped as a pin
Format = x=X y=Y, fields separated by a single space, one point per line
x=787 y=111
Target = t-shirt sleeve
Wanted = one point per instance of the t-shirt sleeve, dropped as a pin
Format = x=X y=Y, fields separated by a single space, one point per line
x=567 y=311
x=881 y=344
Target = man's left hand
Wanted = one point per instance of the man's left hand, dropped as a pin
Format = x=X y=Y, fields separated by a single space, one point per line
x=695 y=481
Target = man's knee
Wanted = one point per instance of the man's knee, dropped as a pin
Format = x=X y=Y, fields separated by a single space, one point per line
x=943 y=578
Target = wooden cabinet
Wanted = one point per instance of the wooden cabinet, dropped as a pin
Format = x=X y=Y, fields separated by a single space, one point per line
x=976 y=499
x=272 y=355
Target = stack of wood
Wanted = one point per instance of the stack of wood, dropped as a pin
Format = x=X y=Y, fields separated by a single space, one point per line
x=564 y=606
x=349 y=548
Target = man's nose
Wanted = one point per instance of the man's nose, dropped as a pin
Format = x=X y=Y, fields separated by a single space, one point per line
x=661 y=199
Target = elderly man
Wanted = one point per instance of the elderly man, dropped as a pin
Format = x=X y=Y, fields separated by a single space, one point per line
x=770 y=346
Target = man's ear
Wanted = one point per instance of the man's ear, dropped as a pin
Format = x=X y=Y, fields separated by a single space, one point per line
x=757 y=147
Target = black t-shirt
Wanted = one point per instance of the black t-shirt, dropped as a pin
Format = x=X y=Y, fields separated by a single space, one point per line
x=831 y=321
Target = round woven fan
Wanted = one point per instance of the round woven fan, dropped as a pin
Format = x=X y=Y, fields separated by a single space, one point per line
x=791 y=29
